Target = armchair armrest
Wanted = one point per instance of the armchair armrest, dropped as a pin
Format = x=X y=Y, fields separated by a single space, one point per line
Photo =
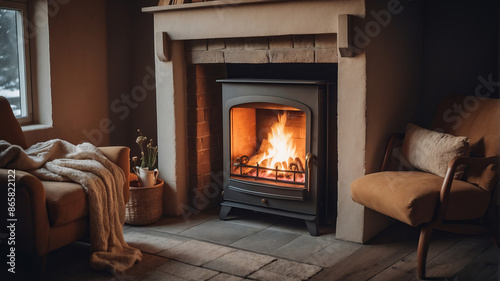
x=30 y=210
x=120 y=155
x=448 y=179
x=394 y=140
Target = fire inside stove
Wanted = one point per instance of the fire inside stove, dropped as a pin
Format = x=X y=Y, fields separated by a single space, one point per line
x=268 y=143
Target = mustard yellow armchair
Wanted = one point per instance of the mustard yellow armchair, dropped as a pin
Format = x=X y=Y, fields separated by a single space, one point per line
x=426 y=200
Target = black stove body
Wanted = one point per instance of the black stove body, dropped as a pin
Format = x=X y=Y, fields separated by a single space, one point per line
x=259 y=117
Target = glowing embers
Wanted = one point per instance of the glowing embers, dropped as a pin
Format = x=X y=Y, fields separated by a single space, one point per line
x=281 y=154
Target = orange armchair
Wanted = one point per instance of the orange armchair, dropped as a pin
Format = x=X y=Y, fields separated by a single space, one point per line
x=428 y=201
x=49 y=215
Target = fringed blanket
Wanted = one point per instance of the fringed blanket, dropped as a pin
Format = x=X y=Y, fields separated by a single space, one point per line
x=58 y=160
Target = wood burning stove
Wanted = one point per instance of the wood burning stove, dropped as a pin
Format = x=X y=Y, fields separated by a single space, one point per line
x=275 y=147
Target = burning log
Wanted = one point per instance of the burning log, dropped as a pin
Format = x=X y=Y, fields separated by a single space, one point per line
x=299 y=164
x=285 y=165
x=264 y=146
x=279 y=166
x=264 y=163
x=255 y=159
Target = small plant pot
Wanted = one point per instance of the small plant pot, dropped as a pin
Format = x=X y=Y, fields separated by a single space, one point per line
x=147 y=177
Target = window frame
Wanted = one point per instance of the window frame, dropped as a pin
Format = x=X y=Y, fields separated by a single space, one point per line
x=27 y=106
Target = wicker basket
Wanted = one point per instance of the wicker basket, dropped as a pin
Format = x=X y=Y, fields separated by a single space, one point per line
x=144 y=204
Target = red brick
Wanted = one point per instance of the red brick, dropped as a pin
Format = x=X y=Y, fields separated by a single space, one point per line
x=206 y=142
x=203 y=129
x=203 y=168
x=202 y=100
x=207 y=178
x=203 y=156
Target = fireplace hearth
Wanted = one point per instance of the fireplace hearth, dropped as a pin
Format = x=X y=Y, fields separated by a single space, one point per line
x=275 y=135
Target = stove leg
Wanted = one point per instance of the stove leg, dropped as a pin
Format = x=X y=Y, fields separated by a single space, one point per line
x=313 y=227
x=224 y=211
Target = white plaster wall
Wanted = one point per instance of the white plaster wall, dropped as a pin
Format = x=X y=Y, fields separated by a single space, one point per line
x=172 y=125
x=351 y=144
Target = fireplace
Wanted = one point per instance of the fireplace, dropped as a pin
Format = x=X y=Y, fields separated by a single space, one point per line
x=278 y=32
x=275 y=136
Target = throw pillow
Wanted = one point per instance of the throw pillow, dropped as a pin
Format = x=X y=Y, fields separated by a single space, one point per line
x=431 y=151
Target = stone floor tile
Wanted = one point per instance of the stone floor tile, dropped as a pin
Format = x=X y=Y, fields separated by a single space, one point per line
x=220 y=232
x=265 y=241
x=150 y=241
x=285 y=270
x=333 y=253
x=239 y=263
x=186 y=271
x=196 y=252
x=175 y=225
x=251 y=218
x=226 y=277
x=300 y=248
x=290 y=225
x=263 y=275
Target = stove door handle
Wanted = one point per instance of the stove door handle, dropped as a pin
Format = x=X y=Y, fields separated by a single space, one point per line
x=309 y=157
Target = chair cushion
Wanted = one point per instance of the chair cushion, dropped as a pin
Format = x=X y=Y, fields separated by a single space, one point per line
x=431 y=151
x=412 y=197
x=66 y=202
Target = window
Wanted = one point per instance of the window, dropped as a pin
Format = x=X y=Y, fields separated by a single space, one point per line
x=14 y=59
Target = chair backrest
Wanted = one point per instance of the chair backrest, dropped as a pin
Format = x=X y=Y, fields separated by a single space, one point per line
x=10 y=129
x=479 y=120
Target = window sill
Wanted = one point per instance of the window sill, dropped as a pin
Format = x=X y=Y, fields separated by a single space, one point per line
x=35 y=127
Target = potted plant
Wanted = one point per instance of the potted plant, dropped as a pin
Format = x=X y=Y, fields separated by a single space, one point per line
x=147 y=172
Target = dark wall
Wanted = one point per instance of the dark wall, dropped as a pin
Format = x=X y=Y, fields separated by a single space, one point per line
x=131 y=66
x=461 y=51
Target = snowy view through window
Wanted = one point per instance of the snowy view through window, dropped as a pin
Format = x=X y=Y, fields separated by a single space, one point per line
x=12 y=77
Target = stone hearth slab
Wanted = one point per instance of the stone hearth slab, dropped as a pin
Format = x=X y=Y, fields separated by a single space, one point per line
x=226 y=277
x=151 y=241
x=285 y=270
x=265 y=241
x=220 y=232
x=196 y=252
x=241 y=263
x=186 y=271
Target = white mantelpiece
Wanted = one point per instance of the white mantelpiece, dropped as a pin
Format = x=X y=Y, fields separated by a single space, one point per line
x=257 y=18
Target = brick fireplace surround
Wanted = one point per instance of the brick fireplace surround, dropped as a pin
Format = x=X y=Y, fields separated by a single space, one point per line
x=195 y=42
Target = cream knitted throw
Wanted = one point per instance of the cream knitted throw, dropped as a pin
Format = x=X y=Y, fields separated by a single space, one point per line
x=58 y=160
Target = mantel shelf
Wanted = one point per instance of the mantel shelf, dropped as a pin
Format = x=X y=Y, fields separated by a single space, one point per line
x=201 y=5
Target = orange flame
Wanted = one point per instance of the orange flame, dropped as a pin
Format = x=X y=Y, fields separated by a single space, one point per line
x=282 y=146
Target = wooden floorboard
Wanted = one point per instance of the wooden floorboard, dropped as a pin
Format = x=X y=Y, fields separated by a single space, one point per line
x=392 y=256
x=406 y=268
x=387 y=249
x=485 y=267
x=451 y=261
